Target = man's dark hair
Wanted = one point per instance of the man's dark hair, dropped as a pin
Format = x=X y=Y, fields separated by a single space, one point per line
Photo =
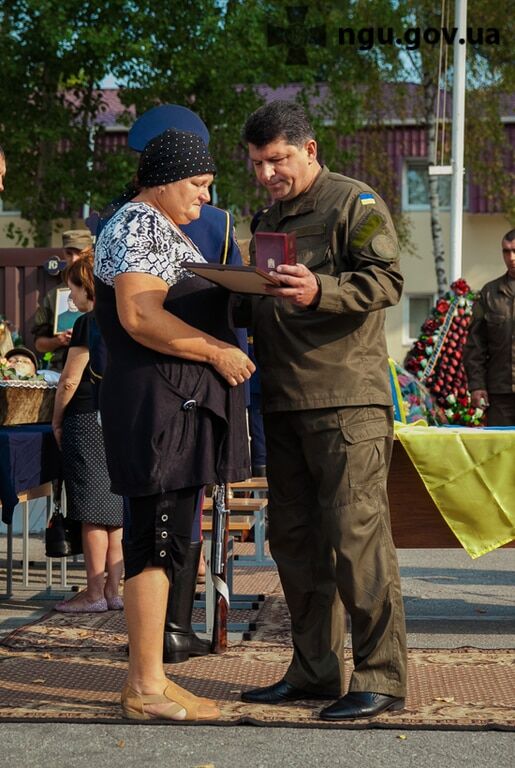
x=510 y=236
x=2 y=153
x=278 y=120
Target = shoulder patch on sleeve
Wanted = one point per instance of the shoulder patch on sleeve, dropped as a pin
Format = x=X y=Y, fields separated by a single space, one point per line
x=366 y=198
x=384 y=247
x=371 y=224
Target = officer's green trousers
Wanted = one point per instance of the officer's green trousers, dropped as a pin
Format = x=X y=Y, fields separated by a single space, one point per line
x=329 y=528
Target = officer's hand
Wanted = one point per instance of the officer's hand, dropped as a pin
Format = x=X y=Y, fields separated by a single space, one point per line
x=298 y=285
x=233 y=365
x=479 y=398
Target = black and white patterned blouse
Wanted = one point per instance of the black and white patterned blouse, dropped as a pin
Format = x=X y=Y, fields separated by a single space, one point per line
x=138 y=238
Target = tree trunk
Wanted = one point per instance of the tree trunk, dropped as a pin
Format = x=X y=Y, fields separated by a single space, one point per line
x=42 y=224
x=88 y=138
x=434 y=199
x=41 y=218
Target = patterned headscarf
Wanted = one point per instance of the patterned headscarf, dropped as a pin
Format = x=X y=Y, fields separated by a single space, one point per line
x=172 y=156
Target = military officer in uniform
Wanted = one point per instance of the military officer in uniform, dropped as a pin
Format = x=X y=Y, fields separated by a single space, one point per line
x=489 y=354
x=320 y=346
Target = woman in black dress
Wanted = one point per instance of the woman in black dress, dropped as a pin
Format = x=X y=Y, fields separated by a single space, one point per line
x=172 y=404
x=78 y=434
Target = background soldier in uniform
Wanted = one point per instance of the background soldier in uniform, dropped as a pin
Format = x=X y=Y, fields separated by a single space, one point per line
x=76 y=243
x=489 y=354
x=320 y=345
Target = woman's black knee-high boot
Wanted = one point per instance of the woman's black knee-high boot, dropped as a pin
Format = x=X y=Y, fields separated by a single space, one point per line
x=180 y=642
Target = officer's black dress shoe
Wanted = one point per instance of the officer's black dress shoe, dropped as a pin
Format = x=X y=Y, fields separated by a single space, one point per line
x=280 y=692
x=361 y=704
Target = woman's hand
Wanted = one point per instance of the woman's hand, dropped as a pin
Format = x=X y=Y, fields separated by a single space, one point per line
x=139 y=303
x=57 y=429
x=233 y=365
x=76 y=363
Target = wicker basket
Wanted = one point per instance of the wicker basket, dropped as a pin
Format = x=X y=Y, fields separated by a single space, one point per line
x=26 y=402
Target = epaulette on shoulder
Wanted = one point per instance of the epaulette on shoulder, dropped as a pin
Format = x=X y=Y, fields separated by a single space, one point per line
x=348 y=181
x=494 y=285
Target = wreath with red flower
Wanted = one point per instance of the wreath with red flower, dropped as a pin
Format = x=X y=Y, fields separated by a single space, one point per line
x=436 y=357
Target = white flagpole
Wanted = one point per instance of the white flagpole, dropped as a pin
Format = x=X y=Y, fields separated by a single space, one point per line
x=458 y=140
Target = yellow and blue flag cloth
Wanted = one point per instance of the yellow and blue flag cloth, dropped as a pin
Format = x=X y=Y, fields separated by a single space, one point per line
x=468 y=472
x=399 y=412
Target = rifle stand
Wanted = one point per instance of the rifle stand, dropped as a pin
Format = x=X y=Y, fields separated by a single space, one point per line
x=237 y=601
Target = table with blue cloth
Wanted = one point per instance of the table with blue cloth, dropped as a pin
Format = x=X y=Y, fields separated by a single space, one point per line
x=29 y=460
x=29 y=457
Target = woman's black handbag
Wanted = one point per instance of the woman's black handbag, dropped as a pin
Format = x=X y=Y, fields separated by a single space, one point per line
x=63 y=537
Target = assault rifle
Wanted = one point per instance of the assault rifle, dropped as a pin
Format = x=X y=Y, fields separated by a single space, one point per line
x=219 y=543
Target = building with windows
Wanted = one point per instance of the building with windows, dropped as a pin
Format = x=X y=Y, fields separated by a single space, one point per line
x=403 y=146
x=483 y=228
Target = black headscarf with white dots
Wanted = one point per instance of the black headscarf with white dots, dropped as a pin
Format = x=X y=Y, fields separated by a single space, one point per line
x=172 y=156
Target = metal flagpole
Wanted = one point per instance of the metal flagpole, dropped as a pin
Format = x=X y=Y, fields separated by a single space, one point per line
x=458 y=139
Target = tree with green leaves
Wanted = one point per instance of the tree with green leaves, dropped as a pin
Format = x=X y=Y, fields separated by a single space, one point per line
x=215 y=58
x=218 y=63
x=54 y=55
x=490 y=77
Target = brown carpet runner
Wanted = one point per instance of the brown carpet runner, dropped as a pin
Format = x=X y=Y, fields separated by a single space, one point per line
x=71 y=669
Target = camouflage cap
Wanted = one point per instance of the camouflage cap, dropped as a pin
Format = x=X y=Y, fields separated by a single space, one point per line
x=78 y=239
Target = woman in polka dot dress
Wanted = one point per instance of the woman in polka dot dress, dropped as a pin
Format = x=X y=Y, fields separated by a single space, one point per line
x=78 y=434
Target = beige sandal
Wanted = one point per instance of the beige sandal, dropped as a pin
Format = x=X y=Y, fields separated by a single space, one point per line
x=182 y=705
x=178 y=693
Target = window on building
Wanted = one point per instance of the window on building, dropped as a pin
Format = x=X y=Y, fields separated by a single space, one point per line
x=417 y=308
x=416 y=187
x=7 y=208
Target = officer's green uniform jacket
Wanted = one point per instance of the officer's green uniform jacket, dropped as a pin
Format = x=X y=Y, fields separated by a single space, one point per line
x=489 y=354
x=333 y=355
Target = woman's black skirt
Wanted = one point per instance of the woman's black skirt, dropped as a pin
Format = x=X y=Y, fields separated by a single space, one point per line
x=88 y=494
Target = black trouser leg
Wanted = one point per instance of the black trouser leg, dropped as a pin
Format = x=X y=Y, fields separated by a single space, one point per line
x=180 y=641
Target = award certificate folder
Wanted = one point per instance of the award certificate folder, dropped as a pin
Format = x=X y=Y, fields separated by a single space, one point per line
x=234 y=278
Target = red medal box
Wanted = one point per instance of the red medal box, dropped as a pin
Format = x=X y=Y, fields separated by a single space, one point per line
x=274 y=248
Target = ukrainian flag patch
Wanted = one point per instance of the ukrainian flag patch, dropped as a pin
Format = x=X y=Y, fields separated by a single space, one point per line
x=366 y=198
